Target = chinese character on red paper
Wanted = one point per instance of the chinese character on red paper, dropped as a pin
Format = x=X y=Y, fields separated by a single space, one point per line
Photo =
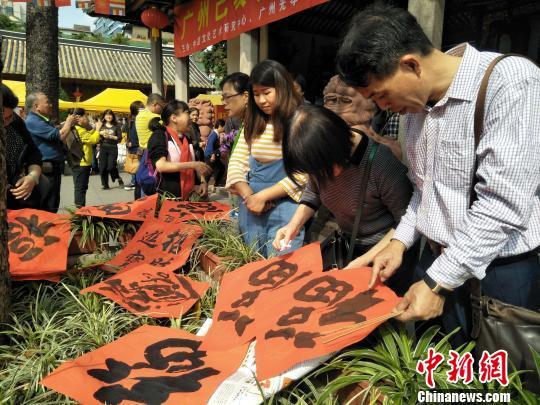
x=461 y=368
x=494 y=367
x=428 y=366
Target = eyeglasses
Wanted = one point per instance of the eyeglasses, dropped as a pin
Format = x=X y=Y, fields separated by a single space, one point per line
x=226 y=98
x=332 y=101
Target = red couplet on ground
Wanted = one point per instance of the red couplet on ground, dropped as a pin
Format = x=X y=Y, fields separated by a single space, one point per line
x=318 y=315
x=240 y=292
x=173 y=211
x=144 y=290
x=151 y=365
x=161 y=245
x=138 y=210
x=38 y=244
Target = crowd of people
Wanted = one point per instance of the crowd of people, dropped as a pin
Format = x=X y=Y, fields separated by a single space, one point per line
x=283 y=159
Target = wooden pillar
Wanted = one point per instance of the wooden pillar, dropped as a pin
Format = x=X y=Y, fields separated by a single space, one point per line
x=263 y=42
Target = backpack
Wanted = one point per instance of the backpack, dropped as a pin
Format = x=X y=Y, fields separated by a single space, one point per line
x=74 y=148
x=147 y=177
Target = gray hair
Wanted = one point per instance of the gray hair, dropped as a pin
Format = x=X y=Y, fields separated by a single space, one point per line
x=32 y=98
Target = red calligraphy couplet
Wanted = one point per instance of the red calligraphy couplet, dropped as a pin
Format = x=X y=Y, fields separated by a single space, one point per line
x=138 y=210
x=151 y=365
x=318 y=315
x=38 y=244
x=173 y=211
x=241 y=291
x=145 y=291
x=160 y=245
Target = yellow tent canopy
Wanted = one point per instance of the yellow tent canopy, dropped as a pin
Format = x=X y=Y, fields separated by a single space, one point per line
x=214 y=99
x=117 y=100
x=19 y=88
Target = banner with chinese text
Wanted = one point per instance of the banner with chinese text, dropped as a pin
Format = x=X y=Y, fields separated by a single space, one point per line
x=202 y=23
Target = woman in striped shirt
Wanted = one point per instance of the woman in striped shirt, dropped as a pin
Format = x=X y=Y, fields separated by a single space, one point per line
x=256 y=170
x=321 y=144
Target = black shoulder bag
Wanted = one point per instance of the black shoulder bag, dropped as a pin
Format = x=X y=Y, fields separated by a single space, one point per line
x=336 y=250
x=495 y=324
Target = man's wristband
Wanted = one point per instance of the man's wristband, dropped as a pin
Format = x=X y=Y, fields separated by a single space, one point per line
x=436 y=287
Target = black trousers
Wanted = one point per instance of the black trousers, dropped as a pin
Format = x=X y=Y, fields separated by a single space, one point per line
x=81 y=176
x=107 y=164
x=218 y=170
x=52 y=203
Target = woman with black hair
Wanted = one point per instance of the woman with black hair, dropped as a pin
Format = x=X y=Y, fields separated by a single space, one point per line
x=171 y=152
x=322 y=145
x=23 y=158
x=111 y=135
x=256 y=172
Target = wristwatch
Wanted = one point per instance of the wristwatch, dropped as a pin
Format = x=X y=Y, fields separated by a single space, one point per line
x=436 y=287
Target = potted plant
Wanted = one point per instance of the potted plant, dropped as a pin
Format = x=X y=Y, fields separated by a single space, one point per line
x=91 y=234
x=221 y=249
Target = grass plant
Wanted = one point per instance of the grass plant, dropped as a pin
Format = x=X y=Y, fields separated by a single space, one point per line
x=223 y=239
x=101 y=231
x=52 y=323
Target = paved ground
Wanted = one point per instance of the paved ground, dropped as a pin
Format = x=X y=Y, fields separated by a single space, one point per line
x=96 y=196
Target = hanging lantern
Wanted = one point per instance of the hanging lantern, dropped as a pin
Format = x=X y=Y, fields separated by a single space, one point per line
x=155 y=20
x=77 y=94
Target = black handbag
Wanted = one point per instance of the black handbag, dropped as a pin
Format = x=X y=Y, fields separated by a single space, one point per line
x=495 y=324
x=336 y=249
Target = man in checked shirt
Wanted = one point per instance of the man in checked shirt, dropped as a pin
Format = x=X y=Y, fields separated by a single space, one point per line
x=387 y=57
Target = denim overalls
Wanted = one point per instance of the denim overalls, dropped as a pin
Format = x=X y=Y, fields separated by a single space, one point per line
x=262 y=228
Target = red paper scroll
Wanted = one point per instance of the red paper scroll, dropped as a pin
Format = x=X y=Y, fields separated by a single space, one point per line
x=145 y=291
x=160 y=245
x=181 y=211
x=201 y=23
x=38 y=244
x=241 y=290
x=138 y=210
x=151 y=365
x=314 y=317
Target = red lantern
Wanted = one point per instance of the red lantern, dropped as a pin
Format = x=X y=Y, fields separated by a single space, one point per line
x=154 y=19
x=77 y=94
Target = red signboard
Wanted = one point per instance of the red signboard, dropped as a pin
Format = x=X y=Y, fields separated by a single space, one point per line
x=201 y=23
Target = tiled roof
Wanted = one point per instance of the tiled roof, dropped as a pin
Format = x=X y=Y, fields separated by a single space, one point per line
x=85 y=60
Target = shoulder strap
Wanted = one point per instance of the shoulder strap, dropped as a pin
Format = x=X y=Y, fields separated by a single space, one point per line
x=475 y=285
x=363 y=189
x=479 y=110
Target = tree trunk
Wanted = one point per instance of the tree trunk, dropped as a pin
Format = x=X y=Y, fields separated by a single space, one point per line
x=5 y=280
x=42 y=52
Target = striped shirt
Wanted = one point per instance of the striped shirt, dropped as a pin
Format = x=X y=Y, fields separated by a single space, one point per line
x=263 y=149
x=387 y=196
x=141 y=125
x=505 y=219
